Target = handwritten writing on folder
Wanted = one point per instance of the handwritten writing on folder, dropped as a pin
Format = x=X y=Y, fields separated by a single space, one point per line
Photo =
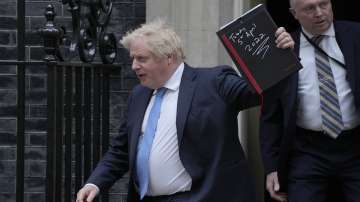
x=251 y=41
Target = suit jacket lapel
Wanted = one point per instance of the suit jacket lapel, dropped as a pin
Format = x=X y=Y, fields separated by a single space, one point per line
x=293 y=88
x=138 y=116
x=295 y=79
x=186 y=92
x=350 y=49
x=296 y=37
x=346 y=44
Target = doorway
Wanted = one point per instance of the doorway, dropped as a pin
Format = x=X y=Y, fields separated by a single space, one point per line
x=279 y=10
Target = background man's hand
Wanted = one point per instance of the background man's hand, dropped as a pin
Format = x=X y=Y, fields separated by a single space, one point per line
x=273 y=187
x=87 y=193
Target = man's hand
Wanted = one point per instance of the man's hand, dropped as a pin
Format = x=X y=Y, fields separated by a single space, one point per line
x=87 y=193
x=273 y=187
x=283 y=39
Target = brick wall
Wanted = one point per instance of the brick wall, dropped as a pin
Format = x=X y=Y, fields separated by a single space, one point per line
x=126 y=15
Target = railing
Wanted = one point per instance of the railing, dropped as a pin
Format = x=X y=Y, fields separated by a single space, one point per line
x=77 y=96
x=79 y=111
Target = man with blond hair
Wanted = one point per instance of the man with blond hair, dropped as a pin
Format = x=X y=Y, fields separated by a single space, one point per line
x=178 y=139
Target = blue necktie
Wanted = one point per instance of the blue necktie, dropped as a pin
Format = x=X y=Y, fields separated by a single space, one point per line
x=332 y=123
x=142 y=161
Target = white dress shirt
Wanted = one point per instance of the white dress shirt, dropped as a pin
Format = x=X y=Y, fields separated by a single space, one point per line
x=166 y=171
x=308 y=113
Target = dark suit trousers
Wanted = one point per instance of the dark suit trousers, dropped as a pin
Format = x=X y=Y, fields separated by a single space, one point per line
x=319 y=165
x=178 y=197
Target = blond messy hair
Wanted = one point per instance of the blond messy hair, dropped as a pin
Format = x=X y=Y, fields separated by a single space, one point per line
x=161 y=39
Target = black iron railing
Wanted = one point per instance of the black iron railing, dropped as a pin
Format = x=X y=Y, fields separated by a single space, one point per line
x=77 y=95
x=78 y=125
x=20 y=132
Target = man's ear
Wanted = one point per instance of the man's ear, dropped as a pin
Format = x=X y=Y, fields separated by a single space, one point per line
x=170 y=59
x=292 y=11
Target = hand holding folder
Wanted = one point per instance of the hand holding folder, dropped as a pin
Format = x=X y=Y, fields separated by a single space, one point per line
x=250 y=41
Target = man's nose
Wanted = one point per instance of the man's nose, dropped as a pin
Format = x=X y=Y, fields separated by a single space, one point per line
x=135 y=65
x=318 y=10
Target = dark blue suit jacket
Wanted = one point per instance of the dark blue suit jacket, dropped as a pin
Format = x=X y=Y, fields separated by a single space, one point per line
x=278 y=121
x=208 y=105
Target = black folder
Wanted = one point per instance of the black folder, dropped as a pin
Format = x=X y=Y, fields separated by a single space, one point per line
x=250 y=41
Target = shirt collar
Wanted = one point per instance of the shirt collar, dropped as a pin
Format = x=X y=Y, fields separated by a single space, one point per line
x=174 y=82
x=329 y=32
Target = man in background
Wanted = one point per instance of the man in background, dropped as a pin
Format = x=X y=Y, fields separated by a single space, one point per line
x=309 y=128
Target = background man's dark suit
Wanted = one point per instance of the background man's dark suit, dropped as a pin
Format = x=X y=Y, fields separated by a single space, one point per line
x=277 y=130
x=208 y=104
